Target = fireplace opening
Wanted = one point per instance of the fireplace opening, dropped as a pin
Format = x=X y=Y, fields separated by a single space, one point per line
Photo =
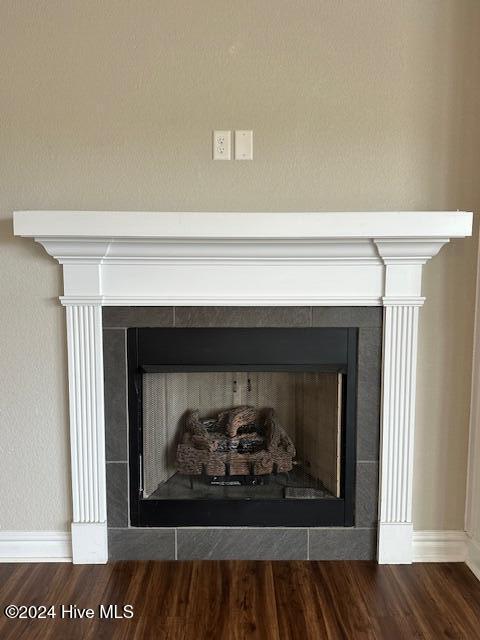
x=251 y=427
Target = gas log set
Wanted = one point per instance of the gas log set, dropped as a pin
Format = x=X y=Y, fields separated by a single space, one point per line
x=241 y=442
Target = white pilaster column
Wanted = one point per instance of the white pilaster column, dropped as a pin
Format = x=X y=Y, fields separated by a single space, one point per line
x=87 y=433
x=400 y=330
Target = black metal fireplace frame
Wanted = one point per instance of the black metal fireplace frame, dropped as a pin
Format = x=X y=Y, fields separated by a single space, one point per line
x=250 y=349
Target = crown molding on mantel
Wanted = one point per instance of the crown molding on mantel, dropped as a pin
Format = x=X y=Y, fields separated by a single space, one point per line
x=315 y=259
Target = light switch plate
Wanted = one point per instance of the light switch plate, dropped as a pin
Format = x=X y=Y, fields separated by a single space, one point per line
x=243 y=145
x=222 y=145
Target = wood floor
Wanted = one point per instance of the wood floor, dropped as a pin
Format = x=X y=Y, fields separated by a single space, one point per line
x=240 y=600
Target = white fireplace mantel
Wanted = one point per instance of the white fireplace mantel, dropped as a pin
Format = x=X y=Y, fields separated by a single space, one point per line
x=139 y=258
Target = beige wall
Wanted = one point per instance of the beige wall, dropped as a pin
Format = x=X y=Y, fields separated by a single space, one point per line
x=110 y=105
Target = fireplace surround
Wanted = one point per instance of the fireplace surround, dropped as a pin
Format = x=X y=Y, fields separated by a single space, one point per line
x=241 y=259
x=267 y=542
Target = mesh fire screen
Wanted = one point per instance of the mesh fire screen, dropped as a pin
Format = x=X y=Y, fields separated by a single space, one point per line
x=242 y=434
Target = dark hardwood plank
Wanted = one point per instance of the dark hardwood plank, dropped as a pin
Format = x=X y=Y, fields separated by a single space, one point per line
x=297 y=597
x=454 y=611
x=247 y=600
x=388 y=610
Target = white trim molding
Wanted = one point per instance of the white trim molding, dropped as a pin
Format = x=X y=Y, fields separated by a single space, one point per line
x=261 y=259
x=439 y=546
x=473 y=556
x=400 y=331
x=35 y=546
x=87 y=433
x=472 y=503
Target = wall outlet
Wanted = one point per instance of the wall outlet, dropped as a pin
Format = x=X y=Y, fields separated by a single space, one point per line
x=222 y=145
x=243 y=145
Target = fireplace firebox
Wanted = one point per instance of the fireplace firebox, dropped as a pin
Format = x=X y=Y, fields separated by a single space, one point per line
x=242 y=426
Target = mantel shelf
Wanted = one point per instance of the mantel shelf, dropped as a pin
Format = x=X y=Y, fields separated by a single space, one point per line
x=196 y=225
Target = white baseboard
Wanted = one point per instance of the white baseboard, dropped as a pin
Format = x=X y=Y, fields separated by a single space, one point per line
x=55 y=546
x=439 y=546
x=35 y=546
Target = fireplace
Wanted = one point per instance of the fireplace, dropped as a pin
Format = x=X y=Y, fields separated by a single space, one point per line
x=177 y=261
x=242 y=426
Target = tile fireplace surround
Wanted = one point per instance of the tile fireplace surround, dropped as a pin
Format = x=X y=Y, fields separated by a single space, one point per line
x=126 y=542
x=354 y=259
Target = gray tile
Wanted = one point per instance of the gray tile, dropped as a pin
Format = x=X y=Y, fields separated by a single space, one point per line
x=137 y=317
x=117 y=494
x=242 y=544
x=242 y=316
x=366 y=501
x=342 y=544
x=115 y=381
x=368 y=393
x=141 y=544
x=347 y=316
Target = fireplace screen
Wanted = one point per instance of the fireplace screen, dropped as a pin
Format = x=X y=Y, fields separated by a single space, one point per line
x=252 y=427
x=243 y=434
